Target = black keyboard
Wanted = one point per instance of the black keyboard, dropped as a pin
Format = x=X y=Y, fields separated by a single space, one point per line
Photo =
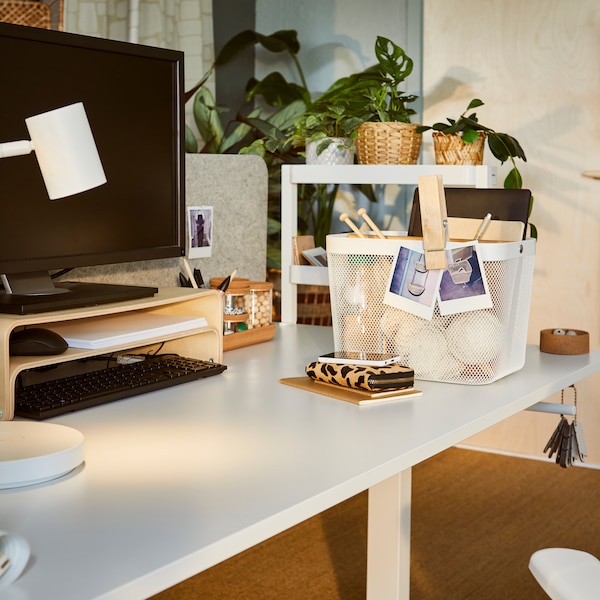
x=59 y=396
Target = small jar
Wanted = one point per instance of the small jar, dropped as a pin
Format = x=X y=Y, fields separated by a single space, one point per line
x=259 y=304
x=235 y=314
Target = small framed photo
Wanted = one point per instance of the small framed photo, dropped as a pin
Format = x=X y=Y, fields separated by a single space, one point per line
x=200 y=231
x=316 y=256
x=464 y=286
x=411 y=287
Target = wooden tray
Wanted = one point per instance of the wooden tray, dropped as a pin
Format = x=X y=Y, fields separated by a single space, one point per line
x=349 y=394
x=249 y=337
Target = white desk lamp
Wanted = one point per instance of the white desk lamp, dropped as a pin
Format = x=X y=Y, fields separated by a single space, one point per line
x=33 y=453
x=65 y=150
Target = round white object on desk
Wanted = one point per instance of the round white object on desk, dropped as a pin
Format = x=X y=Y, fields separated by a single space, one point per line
x=32 y=452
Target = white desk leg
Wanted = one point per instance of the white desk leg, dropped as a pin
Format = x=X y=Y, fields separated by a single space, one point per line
x=388 y=541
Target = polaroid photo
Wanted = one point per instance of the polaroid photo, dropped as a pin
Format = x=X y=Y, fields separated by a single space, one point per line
x=316 y=256
x=200 y=231
x=463 y=286
x=411 y=287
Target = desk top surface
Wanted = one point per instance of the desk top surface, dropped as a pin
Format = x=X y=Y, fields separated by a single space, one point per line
x=178 y=480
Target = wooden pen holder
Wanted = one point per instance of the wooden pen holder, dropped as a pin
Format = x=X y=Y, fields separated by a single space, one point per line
x=247 y=319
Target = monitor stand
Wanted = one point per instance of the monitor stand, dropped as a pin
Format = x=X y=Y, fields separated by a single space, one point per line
x=37 y=293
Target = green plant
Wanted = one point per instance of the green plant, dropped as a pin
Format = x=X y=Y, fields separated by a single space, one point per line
x=336 y=113
x=315 y=202
x=374 y=94
x=323 y=121
x=219 y=137
x=316 y=210
x=386 y=101
x=272 y=144
x=370 y=95
x=215 y=137
x=503 y=146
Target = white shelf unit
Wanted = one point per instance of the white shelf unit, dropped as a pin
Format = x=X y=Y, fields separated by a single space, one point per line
x=291 y=175
x=204 y=343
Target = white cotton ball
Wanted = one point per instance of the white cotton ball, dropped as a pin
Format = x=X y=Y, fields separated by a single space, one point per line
x=429 y=356
x=408 y=330
x=475 y=337
x=401 y=329
x=390 y=322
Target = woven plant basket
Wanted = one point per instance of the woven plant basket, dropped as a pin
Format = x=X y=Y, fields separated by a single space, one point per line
x=389 y=143
x=451 y=150
x=44 y=15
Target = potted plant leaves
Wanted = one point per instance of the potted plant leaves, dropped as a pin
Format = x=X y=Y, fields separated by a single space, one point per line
x=461 y=141
x=327 y=132
x=387 y=135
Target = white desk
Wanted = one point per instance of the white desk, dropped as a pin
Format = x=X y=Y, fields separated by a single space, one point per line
x=179 y=480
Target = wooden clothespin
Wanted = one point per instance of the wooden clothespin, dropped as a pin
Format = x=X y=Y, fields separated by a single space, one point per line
x=434 y=220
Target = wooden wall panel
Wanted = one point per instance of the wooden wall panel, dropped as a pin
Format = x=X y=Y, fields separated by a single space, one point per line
x=536 y=65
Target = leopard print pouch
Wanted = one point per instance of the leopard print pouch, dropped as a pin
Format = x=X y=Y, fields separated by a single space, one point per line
x=389 y=377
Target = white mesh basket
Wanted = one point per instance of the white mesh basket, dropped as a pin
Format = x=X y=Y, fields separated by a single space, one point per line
x=474 y=347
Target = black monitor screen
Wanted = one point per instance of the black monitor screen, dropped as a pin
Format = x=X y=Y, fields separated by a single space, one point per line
x=133 y=97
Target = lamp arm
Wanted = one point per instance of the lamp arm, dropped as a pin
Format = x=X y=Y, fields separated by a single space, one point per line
x=15 y=148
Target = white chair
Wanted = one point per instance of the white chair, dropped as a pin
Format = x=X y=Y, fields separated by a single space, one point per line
x=566 y=574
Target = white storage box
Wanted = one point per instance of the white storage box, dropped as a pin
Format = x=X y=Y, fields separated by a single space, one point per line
x=474 y=347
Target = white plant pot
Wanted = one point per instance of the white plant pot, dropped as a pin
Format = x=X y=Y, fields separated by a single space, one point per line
x=332 y=155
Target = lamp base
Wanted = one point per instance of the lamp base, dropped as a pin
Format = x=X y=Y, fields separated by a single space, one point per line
x=32 y=452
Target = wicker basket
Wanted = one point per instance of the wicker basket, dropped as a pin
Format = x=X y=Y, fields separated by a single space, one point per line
x=389 y=143
x=45 y=15
x=314 y=305
x=451 y=150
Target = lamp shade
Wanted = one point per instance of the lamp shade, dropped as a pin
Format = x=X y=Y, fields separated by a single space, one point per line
x=66 y=151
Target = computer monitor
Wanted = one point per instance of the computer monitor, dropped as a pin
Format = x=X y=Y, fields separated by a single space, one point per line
x=134 y=100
